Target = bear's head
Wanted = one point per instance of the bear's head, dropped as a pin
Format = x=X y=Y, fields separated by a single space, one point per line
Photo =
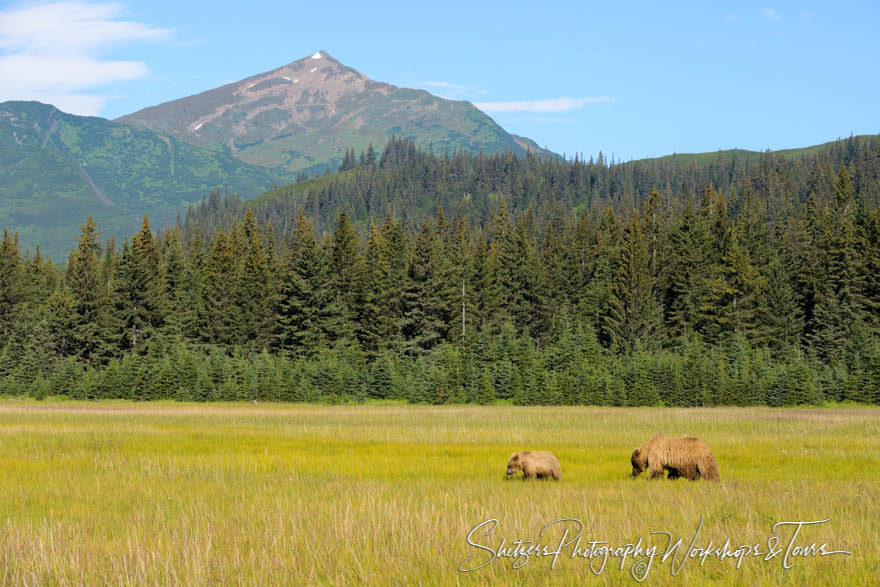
x=639 y=462
x=513 y=465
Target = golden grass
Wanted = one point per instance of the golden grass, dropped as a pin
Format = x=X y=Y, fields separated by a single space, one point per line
x=127 y=493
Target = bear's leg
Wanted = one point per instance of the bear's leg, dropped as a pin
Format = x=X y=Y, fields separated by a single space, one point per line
x=528 y=473
x=656 y=470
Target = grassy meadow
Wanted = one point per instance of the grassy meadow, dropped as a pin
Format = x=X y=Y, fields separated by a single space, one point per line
x=127 y=493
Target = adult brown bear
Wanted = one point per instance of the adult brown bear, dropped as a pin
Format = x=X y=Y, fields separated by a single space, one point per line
x=682 y=457
x=534 y=464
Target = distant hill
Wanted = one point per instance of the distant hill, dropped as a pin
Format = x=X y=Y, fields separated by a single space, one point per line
x=746 y=155
x=304 y=115
x=58 y=168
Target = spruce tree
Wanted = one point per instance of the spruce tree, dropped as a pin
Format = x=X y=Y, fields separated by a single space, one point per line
x=175 y=284
x=88 y=293
x=730 y=303
x=62 y=320
x=870 y=267
x=595 y=304
x=487 y=298
x=839 y=304
x=688 y=276
x=137 y=293
x=424 y=306
x=192 y=287
x=308 y=313
x=500 y=284
x=215 y=305
x=370 y=157
x=460 y=256
x=553 y=280
x=374 y=322
x=147 y=286
x=253 y=293
x=394 y=256
x=42 y=275
x=12 y=283
x=487 y=389
x=655 y=229
x=528 y=307
x=346 y=266
x=779 y=316
x=634 y=314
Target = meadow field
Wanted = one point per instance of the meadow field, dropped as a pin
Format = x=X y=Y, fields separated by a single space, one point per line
x=128 y=493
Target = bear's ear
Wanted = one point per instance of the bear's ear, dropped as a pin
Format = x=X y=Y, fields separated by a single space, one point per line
x=636 y=452
x=514 y=456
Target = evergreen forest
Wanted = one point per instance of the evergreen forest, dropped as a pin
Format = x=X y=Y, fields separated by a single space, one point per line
x=409 y=275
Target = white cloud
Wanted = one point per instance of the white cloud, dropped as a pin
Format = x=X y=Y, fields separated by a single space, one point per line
x=444 y=85
x=51 y=53
x=453 y=91
x=541 y=118
x=772 y=14
x=550 y=105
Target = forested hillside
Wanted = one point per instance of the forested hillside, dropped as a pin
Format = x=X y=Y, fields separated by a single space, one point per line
x=59 y=168
x=413 y=184
x=472 y=278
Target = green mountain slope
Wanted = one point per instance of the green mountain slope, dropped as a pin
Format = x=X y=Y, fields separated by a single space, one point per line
x=304 y=115
x=58 y=168
x=746 y=155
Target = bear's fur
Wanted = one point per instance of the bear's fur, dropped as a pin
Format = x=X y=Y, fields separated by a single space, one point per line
x=534 y=465
x=682 y=457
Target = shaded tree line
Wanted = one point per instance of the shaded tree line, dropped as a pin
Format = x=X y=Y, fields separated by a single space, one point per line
x=412 y=184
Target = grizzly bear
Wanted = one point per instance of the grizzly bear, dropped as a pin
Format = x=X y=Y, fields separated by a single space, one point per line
x=534 y=464
x=682 y=457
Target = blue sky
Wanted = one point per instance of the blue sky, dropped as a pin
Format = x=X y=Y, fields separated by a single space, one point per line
x=646 y=79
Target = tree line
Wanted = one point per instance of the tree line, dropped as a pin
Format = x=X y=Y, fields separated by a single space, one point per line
x=746 y=292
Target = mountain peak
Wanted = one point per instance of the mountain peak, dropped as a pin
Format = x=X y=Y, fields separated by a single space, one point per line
x=314 y=58
x=305 y=114
x=289 y=100
x=320 y=63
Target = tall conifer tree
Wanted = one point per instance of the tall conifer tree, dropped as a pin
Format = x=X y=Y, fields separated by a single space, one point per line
x=88 y=293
